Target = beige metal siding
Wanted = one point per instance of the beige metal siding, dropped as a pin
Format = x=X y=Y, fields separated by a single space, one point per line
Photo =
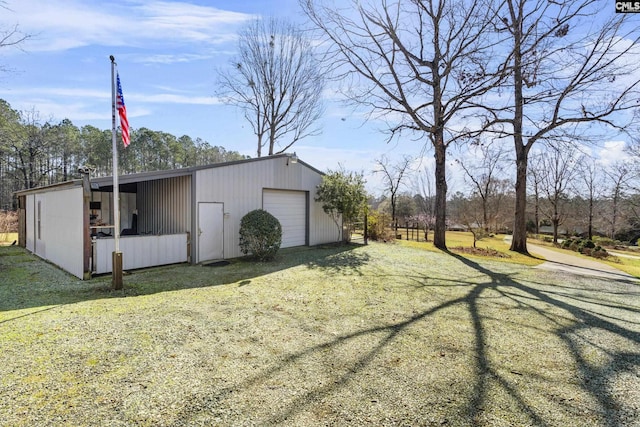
x=240 y=187
x=30 y=222
x=164 y=206
x=141 y=251
x=61 y=228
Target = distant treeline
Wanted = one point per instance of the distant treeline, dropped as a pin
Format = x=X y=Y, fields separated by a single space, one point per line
x=33 y=153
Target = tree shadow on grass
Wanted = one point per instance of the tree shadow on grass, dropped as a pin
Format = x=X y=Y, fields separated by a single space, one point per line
x=594 y=379
x=385 y=337
x=304 y=400
x=27 y=281
x=344 y=262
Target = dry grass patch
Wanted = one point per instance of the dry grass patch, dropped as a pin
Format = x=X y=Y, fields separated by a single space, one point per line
x=493 y=248
x=7 y=238
x=484 y=252
x=377 y=335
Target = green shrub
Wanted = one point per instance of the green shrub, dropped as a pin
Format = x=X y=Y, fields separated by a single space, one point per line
x=585 y=247
x=377 y=226
x=260 y=235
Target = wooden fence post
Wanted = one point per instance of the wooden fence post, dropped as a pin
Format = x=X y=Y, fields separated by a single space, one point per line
x=366 y=229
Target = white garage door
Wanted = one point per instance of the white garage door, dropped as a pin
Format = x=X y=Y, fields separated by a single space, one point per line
x=290 y=209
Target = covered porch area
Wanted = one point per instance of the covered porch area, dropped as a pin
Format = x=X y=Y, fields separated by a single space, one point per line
x=155 y=220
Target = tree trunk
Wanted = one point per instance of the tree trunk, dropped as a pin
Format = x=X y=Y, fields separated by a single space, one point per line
x=590 y=226
x=519 y=241
x=272 y=142
x=485 y=216
x=393 y=210
x=614 y=217
x=441 y=195
x=556 y=222
x=537 y=213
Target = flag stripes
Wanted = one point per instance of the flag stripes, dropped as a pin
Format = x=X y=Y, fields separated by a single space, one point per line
x=122 y=112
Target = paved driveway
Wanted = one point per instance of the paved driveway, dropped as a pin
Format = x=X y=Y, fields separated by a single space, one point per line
x=559 y=261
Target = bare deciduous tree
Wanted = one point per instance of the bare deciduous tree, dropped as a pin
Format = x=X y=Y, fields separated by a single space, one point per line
x=425 y=197
x=481 y=173
x=558 y=171
x=536 y=171
x=589 y=176
x=416 y=64
x=277 y=83
x=619 y=174
x=392 y=177
x=563 y=75
x=11 y=36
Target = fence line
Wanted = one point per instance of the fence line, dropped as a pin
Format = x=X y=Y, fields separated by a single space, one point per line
x=410 y=231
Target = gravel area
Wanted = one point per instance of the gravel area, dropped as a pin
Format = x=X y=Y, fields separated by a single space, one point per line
x=378 y=335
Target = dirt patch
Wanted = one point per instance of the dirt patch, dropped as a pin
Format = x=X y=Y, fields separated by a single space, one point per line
x=488 y=252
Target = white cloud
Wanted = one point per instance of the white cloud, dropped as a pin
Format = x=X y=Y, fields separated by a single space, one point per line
x=612 y=152
x=66 y=24
x=57 y=92
x=168 y=98
x=37 y=94
x=168 y=58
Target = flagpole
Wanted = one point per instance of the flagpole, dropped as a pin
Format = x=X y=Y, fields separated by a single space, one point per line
x=116 y=267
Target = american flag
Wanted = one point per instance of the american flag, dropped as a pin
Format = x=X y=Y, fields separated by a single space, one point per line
x=122 y=111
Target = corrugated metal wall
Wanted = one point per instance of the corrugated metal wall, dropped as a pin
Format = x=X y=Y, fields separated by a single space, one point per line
x=240 y=187
x=57 y=233
x=164 y=206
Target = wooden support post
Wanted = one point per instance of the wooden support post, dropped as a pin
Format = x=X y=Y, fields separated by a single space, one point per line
x=188 y=246
x=116 y=279
x=86 y=232
x=366 y=229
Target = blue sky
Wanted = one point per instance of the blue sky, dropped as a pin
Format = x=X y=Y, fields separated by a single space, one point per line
x=167 y=53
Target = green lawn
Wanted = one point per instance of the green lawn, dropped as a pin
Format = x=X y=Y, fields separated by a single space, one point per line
x=385 y=334
x=459 y=239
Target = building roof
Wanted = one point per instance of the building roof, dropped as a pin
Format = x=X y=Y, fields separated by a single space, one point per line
x=106 y=181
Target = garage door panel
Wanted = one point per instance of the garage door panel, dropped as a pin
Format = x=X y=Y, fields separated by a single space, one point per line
x=290 y=207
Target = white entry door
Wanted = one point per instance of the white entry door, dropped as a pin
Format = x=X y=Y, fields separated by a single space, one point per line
x=210 y=231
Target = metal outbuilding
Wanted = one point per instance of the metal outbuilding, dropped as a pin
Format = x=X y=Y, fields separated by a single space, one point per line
x=172 y=216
